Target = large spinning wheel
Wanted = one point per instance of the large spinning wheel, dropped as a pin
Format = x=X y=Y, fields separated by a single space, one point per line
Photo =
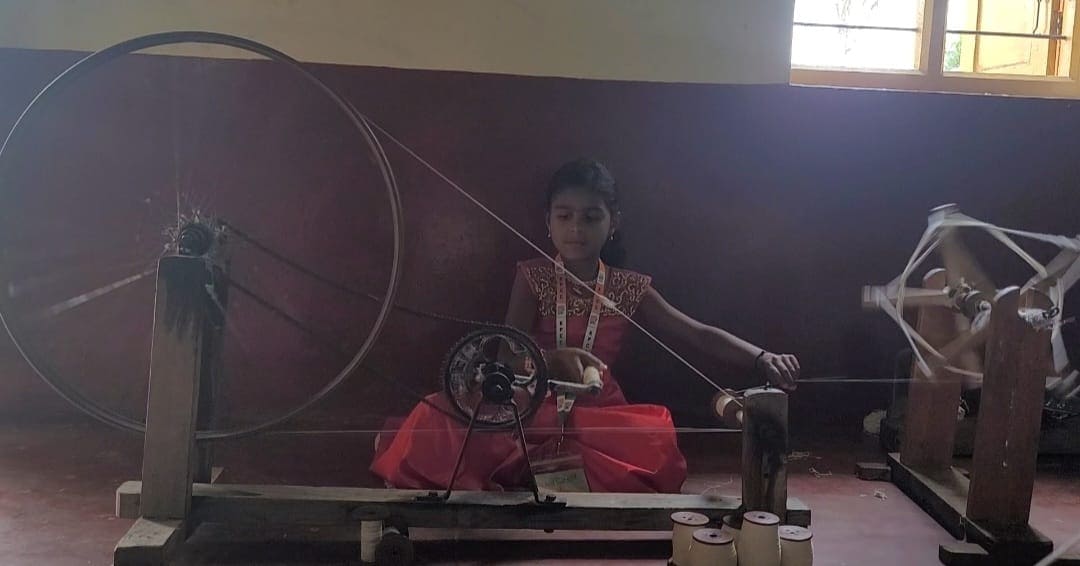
x=30 y=267
x=968 y=289
x=964 y=286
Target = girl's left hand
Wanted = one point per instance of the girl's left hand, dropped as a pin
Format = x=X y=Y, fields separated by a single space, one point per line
x=782 y=370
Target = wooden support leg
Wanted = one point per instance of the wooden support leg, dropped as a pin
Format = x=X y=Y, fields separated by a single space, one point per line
x=175 y=366
x=148 y=543
x=169 y=455
x=211 y=374
x=930 y=421
x=765 y=446
x=1007 y=431
x=923 y=468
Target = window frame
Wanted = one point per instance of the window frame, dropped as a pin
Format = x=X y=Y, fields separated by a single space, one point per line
x=931 y=77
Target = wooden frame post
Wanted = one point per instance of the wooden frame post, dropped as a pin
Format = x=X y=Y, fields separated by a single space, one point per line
x=930 y=422
x=765 y=448
x=211 y=374
x=1007 y=431
x=169 y=456
x=991 y=509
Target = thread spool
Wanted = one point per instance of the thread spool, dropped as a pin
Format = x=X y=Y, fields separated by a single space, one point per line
x=728 y=410
x=683 y=525
x=591 y=378
x=712 y=547
x=758 y=539
x=796 y=546
x=731 y=524
x=370 y=535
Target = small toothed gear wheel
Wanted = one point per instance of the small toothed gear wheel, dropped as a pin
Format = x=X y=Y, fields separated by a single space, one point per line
x=484 y=353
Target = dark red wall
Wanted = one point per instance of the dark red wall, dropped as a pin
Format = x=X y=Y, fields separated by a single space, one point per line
x=762 y=209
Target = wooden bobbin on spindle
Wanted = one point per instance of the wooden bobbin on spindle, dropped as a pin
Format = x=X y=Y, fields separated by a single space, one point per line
x=728 y=409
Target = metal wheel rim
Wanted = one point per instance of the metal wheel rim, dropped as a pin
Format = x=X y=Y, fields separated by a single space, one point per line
x=99 y=58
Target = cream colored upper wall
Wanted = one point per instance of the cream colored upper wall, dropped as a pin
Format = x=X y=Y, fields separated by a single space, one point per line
x=712 y=41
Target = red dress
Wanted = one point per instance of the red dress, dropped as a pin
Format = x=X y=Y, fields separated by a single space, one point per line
x=624 y=448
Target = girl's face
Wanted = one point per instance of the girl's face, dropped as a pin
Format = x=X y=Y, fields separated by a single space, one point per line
x=580 y=224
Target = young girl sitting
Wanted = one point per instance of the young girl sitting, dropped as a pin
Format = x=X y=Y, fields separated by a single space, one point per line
x=583 y=219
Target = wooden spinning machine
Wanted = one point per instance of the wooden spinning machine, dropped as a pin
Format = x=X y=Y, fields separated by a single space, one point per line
x=178 y=490
x=968 y=331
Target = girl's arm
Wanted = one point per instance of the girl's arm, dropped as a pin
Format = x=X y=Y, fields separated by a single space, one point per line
x=521 y=313
x=655 y=312
x=567 y=364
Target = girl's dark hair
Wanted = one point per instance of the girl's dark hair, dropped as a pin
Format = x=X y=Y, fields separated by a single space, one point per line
x=591 y=175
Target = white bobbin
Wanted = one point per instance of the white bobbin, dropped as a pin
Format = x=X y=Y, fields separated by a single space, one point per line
x=713 y=547
x=731 y=524
x=683 y=525
x=727 y=409
x=370 y=536
x=796 y=546
x=759 y=544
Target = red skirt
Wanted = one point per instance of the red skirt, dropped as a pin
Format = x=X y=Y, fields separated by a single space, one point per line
x=624 y=448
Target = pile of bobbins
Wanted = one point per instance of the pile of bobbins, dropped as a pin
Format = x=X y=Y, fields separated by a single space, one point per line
x=755 y=539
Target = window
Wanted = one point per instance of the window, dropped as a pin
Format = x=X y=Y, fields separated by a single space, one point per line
x=1018 y=47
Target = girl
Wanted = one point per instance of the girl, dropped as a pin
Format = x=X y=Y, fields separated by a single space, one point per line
x=583 y=220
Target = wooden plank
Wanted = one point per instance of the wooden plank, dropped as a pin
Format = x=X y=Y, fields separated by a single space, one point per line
x=1010 y=412
x=872 y=471
x=942 y=494
x=962 y=554
x=764 y=452
x=175 y=365
x=285 y=504
x=930 y=421
x=128 y=499
x=798 y=513
x=148 y=543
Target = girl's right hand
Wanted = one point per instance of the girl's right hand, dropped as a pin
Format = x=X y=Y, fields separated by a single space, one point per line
x=568 y=364
x=781 y=370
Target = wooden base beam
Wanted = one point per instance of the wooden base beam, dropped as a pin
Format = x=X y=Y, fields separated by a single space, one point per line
x=962 y=554
x=284 y=504
x=943 y=495
x=1017 y=544
x=872 y=471
x=148 y=543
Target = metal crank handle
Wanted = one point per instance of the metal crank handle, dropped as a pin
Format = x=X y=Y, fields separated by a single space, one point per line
x=592 y=384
